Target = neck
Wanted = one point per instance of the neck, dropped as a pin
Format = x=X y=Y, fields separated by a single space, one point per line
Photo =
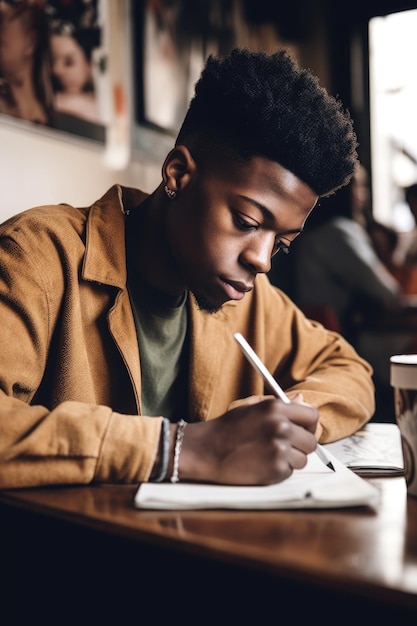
x=148 y=250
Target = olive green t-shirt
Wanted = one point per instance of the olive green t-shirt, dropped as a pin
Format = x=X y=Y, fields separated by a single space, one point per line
x=161 y=327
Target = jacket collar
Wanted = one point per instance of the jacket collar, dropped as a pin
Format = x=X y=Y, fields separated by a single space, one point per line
x=105 y=249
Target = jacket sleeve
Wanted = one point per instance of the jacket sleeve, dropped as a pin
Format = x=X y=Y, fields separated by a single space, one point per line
x=329 y=373
x=304 y=357
x=75 y=443
x=71 y=441
x=301 y=354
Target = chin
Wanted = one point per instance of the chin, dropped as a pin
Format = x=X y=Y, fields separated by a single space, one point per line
x=205 y=305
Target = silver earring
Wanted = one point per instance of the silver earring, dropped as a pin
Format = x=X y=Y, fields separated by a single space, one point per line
x=170 y=192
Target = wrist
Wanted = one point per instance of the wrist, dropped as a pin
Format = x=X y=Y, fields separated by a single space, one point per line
x=160 y=468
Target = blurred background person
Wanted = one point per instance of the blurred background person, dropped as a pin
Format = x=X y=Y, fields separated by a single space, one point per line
x=337 y=265
x=385 y=239
x=338 y=269
x=25 y=86
x=402 y=261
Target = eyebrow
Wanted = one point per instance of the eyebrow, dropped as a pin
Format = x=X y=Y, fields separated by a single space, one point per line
x=271 y=217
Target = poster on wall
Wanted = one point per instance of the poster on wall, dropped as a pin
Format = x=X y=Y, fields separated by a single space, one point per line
x=53 y=64
x=172 y=40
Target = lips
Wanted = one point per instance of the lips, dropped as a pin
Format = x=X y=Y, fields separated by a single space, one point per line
x=243 y=287
x=235 y=289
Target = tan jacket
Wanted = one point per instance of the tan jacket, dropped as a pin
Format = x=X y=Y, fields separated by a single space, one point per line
x=70 y=382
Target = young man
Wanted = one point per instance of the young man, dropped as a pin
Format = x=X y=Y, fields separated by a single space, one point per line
x=117 y=320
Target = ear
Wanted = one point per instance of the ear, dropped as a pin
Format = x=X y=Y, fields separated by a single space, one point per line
x=179 y=168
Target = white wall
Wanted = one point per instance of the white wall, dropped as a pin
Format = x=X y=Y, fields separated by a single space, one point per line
x=43 y=166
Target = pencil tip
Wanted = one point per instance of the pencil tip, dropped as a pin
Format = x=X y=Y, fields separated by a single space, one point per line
x=330 y=465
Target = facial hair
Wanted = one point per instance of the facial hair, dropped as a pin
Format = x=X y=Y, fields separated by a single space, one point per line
x=204 y=305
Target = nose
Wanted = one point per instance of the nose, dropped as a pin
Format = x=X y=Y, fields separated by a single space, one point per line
x=258 y=253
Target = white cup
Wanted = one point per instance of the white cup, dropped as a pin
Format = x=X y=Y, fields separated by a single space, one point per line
x=403 y=368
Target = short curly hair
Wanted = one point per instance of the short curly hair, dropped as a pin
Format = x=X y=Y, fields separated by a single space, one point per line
x=254 y=103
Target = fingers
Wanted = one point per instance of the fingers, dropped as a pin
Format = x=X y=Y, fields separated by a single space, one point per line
x=294 y=424
x=285 y=434
x=304 y=415
x=258 y=443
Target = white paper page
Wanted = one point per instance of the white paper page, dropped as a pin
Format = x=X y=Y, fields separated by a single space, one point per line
x=315 y=486
x=375 y=449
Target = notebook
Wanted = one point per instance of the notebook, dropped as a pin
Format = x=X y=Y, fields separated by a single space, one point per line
x=375 y=450
x=313 y=487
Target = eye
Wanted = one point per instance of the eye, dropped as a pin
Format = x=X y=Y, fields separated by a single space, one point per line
x=245 y=223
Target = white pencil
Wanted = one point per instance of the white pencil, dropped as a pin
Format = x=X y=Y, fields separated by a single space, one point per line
x=272 y=384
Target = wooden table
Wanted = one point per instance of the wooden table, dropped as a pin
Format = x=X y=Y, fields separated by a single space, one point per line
x=85 y=553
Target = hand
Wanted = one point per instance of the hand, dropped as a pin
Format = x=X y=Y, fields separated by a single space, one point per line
x=255 y=444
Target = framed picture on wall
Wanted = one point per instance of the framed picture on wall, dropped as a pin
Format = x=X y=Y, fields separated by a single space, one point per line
x=53 y=64
x=172 y=39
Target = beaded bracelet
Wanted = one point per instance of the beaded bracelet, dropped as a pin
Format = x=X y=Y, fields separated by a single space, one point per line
x=177 y=451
